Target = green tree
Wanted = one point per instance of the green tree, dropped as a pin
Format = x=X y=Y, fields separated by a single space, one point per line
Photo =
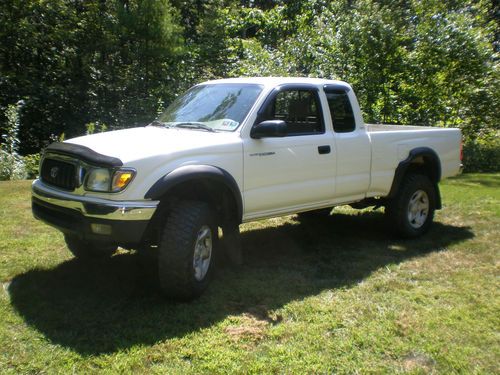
x=116 y=62
x=79 y=62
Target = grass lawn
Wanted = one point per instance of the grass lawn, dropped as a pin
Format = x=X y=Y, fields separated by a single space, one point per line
x=334 y=295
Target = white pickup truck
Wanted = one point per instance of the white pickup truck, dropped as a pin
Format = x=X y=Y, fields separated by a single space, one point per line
x=231 y=151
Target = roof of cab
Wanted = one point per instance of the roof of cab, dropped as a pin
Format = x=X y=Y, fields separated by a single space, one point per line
x=276 y=81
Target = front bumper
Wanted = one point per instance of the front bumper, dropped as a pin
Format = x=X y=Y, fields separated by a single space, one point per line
x=91 y=218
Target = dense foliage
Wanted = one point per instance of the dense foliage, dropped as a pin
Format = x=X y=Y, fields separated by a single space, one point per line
x=11 y=163
x=116 y=63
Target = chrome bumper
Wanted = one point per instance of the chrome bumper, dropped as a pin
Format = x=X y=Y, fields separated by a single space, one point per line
x=93 y=207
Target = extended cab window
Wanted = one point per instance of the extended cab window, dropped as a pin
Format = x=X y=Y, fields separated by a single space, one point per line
x=300 y=109
x=341 y=111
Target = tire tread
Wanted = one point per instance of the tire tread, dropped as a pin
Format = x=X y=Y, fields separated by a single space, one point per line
x=175 y=257
x=396 y=209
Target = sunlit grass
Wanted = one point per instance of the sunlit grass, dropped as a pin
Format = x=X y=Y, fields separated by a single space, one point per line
x=336 y=295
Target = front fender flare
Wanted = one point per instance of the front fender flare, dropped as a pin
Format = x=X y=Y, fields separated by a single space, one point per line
x=194 y=172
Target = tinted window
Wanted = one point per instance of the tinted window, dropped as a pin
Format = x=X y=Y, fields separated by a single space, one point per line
x=299 y=109
x=341 y=111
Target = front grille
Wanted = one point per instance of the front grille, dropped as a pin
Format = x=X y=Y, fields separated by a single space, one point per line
x=59 y=173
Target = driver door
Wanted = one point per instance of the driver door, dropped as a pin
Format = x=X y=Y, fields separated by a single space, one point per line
x=283 y=174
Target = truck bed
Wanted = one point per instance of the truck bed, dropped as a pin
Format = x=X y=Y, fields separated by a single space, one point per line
x=391 y=144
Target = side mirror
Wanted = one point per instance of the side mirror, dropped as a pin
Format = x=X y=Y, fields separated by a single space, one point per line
x=269 y=129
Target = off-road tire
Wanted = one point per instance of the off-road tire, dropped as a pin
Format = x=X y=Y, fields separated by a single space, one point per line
x=88 y=249
x=180 y=235
x=398 y=210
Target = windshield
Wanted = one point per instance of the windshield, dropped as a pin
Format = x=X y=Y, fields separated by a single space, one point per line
x=216 y=106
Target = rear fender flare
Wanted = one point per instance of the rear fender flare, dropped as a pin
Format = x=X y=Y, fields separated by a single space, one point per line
x=432 y=164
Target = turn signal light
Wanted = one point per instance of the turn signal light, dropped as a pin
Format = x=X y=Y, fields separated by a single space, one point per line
x=121 y=179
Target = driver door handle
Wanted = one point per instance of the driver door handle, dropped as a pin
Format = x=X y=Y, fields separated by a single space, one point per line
x=324 y=149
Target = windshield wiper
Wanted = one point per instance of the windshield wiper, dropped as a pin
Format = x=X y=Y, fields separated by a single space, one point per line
x=192 y=125
x=159 y=123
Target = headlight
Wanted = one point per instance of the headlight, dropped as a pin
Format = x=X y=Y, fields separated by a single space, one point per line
x=106 y=180
x=98 y=179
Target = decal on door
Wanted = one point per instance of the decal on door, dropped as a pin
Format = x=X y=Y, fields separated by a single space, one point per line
x=263 y=154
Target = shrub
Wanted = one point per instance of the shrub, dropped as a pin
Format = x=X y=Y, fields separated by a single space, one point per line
x=11 y=166
x=95 y=127
x=483 y=153
x=31 y=163
x=11 y=163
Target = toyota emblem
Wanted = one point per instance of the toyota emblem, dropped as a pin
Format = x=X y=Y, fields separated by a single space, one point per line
x=54 y=171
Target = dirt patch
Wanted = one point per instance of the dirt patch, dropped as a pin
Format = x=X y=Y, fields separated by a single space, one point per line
x=418 y=361
x=249 y=328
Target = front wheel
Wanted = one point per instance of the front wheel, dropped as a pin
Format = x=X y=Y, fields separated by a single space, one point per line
x=187 y=250
x=411 y=211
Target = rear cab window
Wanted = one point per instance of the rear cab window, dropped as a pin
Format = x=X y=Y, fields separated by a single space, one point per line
x=340 y=108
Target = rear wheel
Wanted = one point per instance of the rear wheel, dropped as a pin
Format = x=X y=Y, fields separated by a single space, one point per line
x=411 y=212
x=88 y=249
x=187 y=250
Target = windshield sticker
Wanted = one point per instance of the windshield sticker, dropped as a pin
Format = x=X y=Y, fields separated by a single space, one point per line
x=227 y=124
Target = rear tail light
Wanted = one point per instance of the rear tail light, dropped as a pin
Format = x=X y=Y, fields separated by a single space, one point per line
x=461 y=149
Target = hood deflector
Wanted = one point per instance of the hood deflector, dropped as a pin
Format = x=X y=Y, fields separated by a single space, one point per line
x=83 y=153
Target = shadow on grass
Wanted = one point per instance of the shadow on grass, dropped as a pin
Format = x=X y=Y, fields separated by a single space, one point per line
x=486 y=180
x=102 y=307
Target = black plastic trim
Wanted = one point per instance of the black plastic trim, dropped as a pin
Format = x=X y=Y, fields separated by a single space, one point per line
x=268 y=129
x=324 y=149
x=194 y=172
x=335 y=87
x=84 y=153
x=428 y=155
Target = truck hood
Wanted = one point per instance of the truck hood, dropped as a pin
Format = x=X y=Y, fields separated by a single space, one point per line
x=144 y=142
